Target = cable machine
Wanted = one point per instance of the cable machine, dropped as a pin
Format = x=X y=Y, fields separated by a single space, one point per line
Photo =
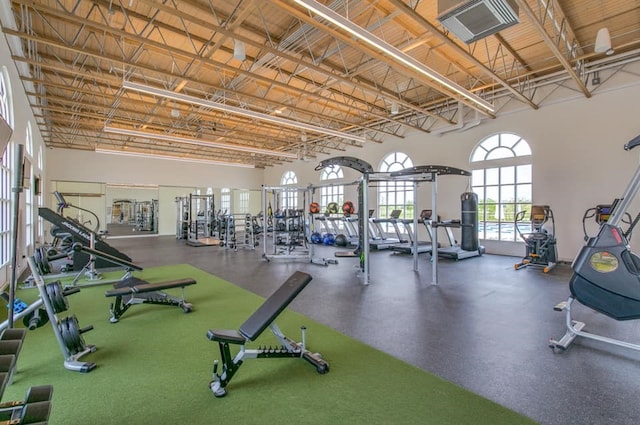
x=199 y=216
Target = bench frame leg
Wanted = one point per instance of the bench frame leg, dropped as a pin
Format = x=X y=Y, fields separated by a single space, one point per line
x=287 y=348
x=118 y=307
x=574 y=330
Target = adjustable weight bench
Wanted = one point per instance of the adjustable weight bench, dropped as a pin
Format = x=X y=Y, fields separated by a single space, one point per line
x=251 y=329
x=133 y=290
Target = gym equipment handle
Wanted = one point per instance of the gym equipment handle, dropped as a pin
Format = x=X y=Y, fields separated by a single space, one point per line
x=632 y=144
x=70 y=291
x=86 y=329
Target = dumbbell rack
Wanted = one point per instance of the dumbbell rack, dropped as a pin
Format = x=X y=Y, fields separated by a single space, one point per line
x=36 y=405
x=67 y=331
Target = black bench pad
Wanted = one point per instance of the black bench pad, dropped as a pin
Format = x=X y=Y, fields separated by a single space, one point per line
x=273 y=306
x=148 y=287
x=231 y=336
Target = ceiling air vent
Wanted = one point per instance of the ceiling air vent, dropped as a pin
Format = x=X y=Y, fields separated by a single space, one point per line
x=471 y=20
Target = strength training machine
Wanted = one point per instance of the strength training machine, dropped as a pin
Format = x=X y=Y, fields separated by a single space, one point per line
x=251 y=329
x=67 y=331
x=606 y=273
x=84 y=264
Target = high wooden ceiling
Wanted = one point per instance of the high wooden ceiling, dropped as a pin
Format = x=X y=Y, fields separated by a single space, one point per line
x=79 y=60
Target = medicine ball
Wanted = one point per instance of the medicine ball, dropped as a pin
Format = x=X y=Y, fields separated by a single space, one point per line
x=341 y=240
x=347 y=208
x=315 y=237
x=314 y=208
x=332 y=208
x=329 y=239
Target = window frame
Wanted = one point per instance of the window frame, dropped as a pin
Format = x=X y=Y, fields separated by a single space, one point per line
x=502 y=168
x=395 y=194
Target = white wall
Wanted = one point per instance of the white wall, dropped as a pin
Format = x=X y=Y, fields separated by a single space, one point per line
x=22 y=116
x=76 y=165
x=174 y=178
x=578 y=159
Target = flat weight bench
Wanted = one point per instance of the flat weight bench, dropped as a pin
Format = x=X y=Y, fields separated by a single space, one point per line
x=251 y=329
x=133 y=290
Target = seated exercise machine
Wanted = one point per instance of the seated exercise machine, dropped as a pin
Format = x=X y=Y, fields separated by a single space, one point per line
x=541 y=249
x=251 y=329
x=601 y=214
x=606 y=273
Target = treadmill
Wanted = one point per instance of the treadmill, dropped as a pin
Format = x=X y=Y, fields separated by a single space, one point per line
x=455 y=251
x=382 y=241
x=422 y=246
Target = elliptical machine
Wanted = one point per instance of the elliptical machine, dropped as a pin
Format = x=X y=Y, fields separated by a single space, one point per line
x=540 y=243
x=606 y=273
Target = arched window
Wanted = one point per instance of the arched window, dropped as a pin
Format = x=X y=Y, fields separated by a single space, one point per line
x=334 y=192
x=6 y=102
x=6 y=167
x=501 y=168
x=394 y=195
x=289 y=197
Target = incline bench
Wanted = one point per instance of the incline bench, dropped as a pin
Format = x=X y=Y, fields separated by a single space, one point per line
x=251 y=329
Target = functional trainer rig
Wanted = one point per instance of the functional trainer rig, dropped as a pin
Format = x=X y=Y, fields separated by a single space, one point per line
x=251 y=329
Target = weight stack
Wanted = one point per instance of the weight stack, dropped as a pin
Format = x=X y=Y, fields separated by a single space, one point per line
x=469 y=221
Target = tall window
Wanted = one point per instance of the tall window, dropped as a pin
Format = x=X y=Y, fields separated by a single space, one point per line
x=335 y=192
x=395 y=195
x=243 y=202
x=28 y=190
x=5 y=205
x=39 y=220
x=289 y=197
x=5 y=174
x=225 y=200
x=501 y=167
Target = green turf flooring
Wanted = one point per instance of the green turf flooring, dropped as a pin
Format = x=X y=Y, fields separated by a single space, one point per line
x=154 y=367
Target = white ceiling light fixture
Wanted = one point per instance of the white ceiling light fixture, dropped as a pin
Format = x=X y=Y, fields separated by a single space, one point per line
x=172 y=158
x=238 y=50
x=386 y=48
x=154 y=91
x=190 y=141
x=603 y=42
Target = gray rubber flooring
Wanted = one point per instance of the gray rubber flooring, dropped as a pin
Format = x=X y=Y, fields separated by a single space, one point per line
x=485 y=326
